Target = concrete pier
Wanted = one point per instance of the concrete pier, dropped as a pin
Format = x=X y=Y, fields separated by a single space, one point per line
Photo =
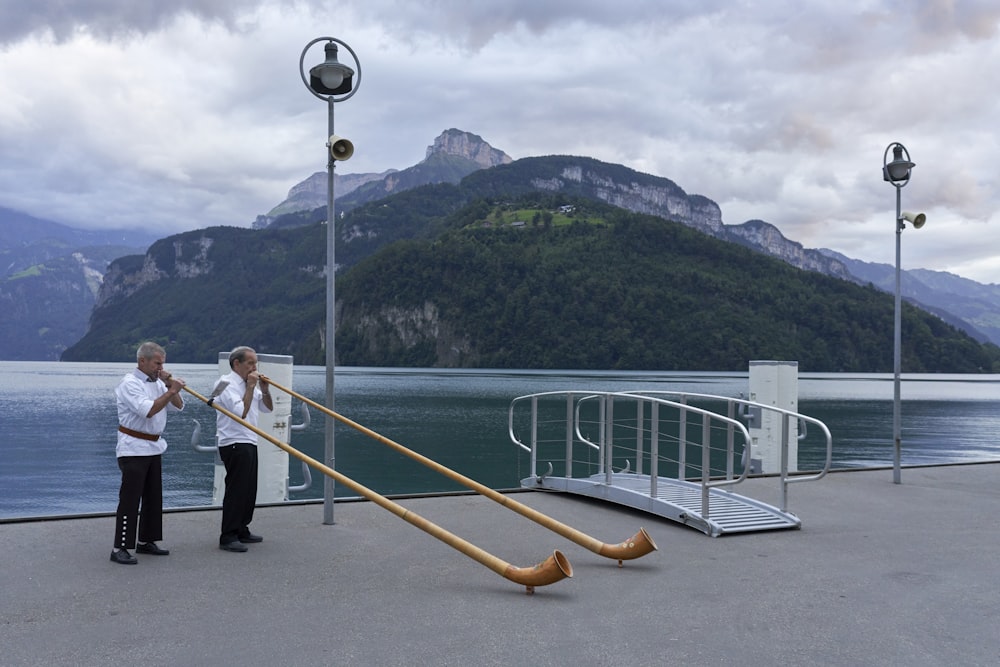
x=879 y=574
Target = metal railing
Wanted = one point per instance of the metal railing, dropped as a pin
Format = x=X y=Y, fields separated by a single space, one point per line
x=666 y=436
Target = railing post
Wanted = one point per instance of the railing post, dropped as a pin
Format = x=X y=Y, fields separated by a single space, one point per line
x=682 y=442
x=639 y=425
x=654 y=448
x=785 y=429
x=569 y=435
x=706 y=464
x=600 y=434
x=608 y=445
x=534 y=437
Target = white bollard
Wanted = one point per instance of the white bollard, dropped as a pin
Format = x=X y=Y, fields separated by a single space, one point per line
x=272 y=461
x=774 y=383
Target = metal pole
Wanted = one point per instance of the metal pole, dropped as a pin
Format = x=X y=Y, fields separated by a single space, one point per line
x=329 y=458
x=896 y=353
x=330 y=334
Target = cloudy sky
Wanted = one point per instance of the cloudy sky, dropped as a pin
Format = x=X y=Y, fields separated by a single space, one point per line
x=190 y=113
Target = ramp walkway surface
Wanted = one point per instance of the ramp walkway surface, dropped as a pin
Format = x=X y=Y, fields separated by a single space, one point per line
x=880 y=574
x=675 y=499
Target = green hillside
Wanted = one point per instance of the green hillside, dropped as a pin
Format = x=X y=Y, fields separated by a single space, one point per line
x=263 y=288
x=474 y=285
x=613 y=290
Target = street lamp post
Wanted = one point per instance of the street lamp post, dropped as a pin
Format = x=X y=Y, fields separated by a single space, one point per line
x=333 y=82
x=897 y=173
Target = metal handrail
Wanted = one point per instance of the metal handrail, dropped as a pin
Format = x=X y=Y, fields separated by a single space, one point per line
x=742 y=406
x=534 y=397
x=801 y=418
x=306 y=473
x=605 y=446
x=736 y=408
x=706 y=414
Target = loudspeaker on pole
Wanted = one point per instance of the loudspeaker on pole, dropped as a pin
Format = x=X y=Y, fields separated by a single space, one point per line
x=340 y=148
x=916 y=219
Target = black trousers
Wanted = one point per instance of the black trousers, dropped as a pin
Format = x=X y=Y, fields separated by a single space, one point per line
x=142 y=484
x=240 y=498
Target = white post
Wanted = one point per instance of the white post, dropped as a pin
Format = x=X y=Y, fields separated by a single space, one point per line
x=774 y=383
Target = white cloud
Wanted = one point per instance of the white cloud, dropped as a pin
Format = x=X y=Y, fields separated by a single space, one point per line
x=192 y=113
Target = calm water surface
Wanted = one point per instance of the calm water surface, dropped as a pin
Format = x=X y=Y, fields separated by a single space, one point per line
x=58 y=421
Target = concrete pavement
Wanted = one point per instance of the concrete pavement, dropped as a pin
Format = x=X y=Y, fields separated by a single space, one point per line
x=880 y=574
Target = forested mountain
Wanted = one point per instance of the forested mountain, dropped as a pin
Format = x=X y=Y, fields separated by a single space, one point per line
x=968 y=305
x=50 y=275
x=614 y=290
x=46 y=306
x=971 y=306
x=209 y=290
x=453 y=276
x=50 y=288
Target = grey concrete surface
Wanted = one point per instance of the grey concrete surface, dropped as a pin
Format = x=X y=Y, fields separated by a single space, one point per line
x=879 y=574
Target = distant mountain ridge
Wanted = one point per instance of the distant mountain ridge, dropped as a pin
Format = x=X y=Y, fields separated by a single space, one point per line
x=494 y=273
x=50 y=275
x=455 y=155
x=311 y=194
x=27 y=240
x=974 y=306
x=964 y=303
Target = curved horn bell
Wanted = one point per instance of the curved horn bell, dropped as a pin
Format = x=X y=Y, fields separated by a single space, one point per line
x=636 y=546
x=549 y=571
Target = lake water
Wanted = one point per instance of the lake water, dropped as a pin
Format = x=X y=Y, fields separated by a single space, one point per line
x=58 y=421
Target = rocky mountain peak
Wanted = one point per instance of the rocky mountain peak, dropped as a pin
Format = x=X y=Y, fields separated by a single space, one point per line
x=469 y=146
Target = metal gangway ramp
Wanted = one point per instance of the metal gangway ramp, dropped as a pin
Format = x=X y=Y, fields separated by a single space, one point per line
x=678 y=455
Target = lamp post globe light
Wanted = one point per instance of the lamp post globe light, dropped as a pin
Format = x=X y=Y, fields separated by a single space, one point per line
x=331 y=81
x=897 y=174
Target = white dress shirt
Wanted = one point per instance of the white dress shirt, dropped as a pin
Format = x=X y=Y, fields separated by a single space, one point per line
x=229 y=431
x=134 y=396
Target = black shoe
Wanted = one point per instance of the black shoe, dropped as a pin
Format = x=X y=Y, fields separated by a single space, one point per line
x=124 y=557
x=250 y=538
x=151 y=548
x=233 y=546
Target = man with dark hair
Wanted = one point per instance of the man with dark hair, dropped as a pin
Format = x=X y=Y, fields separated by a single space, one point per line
x=246 y=396
x=144 y=397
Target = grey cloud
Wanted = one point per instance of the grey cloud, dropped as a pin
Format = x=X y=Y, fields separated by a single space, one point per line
x=778 y=111
x=472 y=25
x=108 y=19
x=948 y=19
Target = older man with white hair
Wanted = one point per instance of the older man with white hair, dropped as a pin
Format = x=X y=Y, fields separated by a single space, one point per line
x=144 y=397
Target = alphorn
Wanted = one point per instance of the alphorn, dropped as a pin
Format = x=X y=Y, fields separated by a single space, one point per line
x=554 y=568
x=636 y=546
